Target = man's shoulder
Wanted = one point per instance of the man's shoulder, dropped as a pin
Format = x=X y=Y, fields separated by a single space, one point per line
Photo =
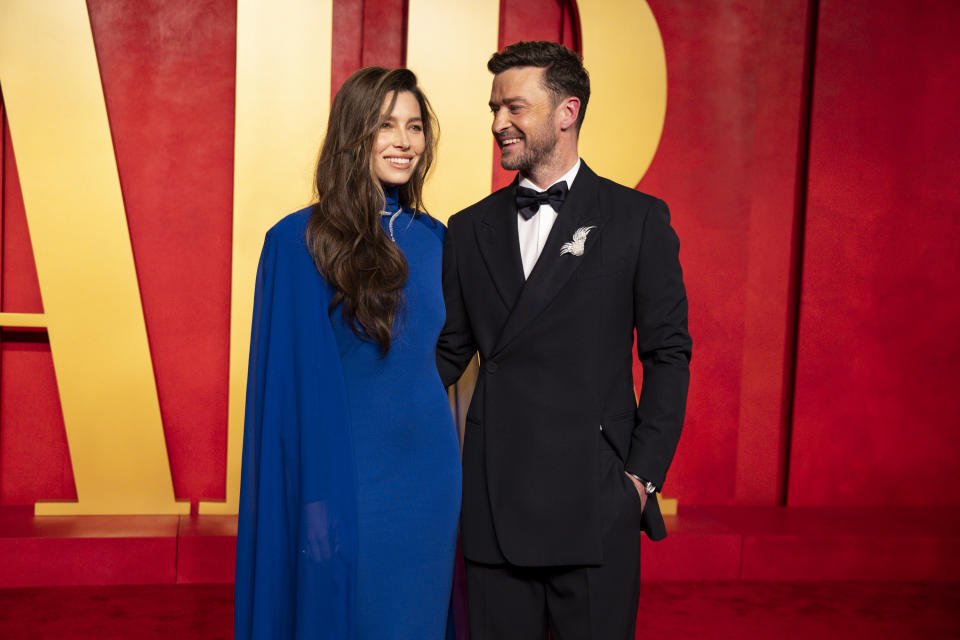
x=617 y=195
x=477 y=209
x=623 y=201
x=629 y=194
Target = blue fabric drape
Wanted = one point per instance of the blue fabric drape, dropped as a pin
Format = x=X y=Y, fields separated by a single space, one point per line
x=297 y=531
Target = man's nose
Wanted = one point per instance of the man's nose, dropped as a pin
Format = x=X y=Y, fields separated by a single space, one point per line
x=500 y=121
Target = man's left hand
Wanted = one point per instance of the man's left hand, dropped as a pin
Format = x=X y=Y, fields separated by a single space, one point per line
x=640 y=490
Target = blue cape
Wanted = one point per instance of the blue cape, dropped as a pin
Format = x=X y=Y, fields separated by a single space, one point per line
x=297 y=530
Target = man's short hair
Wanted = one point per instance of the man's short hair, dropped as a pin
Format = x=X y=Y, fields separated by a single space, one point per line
x=564 y=75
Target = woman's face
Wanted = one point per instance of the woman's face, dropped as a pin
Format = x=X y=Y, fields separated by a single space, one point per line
x=400 y=141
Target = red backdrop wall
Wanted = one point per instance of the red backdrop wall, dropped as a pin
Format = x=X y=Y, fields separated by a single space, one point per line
x=808 y=157
x=877 y=404
x=727 y=165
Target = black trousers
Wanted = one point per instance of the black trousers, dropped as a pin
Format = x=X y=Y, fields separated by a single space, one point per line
x=507 y=602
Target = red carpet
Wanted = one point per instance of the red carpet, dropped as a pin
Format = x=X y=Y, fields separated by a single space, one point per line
x=807 y=610
x=141 y=612
x=741 y=610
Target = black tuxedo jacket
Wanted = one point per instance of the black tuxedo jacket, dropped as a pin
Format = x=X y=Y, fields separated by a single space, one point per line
x=556 y=367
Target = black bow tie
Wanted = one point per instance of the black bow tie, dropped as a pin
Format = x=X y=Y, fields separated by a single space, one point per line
x=529 y=201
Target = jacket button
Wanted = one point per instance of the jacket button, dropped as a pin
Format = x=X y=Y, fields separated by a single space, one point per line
x=492 y=367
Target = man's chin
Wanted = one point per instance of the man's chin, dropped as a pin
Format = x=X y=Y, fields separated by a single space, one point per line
x=512 y=164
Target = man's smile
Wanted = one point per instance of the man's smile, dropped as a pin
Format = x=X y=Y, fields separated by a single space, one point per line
x=507 y=141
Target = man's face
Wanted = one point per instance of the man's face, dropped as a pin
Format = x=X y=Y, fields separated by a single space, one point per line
x=524 y=122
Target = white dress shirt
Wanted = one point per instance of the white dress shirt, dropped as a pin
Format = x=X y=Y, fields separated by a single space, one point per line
x=534 y=232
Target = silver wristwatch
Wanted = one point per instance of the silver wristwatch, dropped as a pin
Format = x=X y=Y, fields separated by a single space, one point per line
x=648 y=486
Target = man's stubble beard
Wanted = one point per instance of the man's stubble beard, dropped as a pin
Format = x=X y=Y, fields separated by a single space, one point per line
x=540 y=149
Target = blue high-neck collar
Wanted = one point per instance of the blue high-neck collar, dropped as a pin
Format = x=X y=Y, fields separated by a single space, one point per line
x=392 y=194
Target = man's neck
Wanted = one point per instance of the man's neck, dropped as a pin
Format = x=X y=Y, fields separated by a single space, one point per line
x=549 y=172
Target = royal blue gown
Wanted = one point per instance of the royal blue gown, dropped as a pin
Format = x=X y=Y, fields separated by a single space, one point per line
x=350 y=491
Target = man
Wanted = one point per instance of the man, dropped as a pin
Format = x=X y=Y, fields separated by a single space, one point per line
x=548 y=279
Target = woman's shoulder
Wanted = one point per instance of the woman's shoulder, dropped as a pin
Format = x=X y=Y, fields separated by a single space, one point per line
x=292 y=228
x=432 y=224
x=285 y=249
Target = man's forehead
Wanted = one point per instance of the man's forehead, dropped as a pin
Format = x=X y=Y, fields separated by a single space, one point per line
x=517 y=82
x=519 y=74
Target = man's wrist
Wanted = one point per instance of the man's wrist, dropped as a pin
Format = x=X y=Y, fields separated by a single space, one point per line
x=648 y=487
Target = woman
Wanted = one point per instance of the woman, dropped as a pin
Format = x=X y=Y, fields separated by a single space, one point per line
x=350 y=489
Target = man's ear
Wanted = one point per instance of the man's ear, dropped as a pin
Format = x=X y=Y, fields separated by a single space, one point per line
x=567 y=112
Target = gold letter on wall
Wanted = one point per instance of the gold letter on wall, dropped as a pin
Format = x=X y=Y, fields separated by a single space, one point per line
x=283 y=98
x=448 y=46
x=78 y=229
x=623 y=51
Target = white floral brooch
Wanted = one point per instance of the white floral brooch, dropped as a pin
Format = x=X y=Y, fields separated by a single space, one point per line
x=575 y=247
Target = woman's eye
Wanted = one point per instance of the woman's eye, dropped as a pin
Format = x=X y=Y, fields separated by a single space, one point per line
x=416 y=127
x=385 y=125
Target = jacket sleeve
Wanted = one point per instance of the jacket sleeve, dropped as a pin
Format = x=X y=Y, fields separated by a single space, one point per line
x=456 y=346
x=663 y=346
x=297 y=538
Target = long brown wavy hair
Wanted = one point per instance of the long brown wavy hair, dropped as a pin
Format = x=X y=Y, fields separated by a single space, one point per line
x=344 y=234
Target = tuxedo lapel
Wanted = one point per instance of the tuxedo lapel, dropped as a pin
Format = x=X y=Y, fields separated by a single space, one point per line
x=499 y=243
x=553 y=269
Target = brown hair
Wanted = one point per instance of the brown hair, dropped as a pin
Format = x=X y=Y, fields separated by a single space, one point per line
x=344 y=234
x=564 y=74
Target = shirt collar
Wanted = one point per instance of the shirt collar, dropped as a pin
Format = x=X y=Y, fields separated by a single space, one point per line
x=568 y=177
